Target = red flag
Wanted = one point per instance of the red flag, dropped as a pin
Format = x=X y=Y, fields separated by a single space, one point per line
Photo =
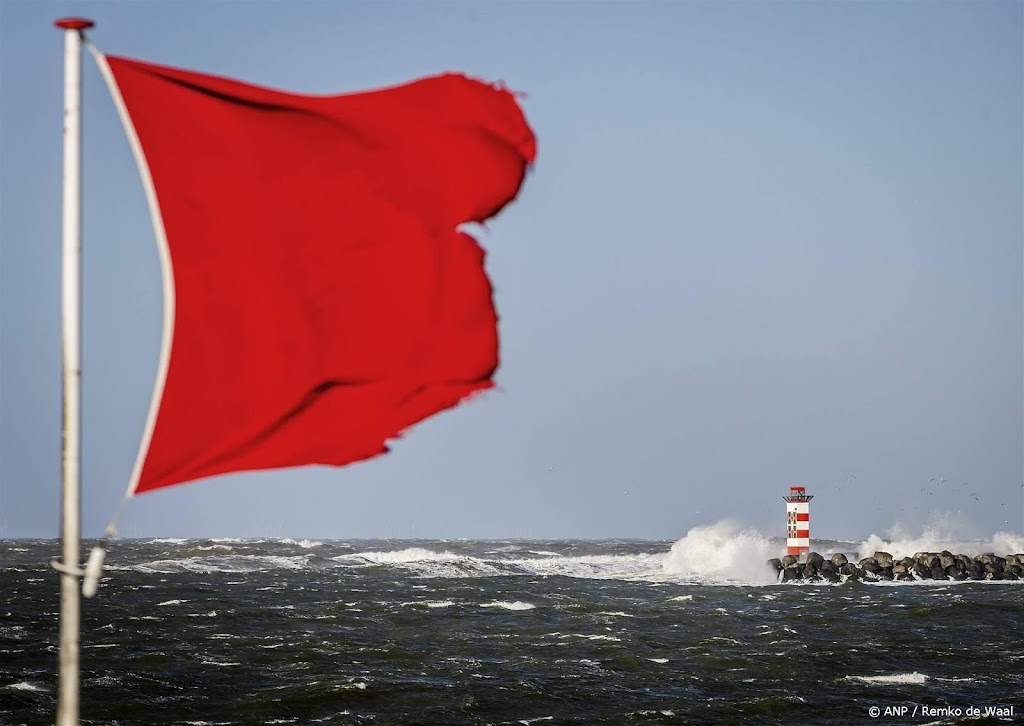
x=323 y=299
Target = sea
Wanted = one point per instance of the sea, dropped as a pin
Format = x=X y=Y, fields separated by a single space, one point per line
x=219 y=632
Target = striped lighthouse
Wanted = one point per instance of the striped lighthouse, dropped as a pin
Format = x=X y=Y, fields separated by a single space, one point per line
x=798 y=521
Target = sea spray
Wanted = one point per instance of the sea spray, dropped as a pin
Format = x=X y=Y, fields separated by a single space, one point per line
x=722 y=551
x=938 y=537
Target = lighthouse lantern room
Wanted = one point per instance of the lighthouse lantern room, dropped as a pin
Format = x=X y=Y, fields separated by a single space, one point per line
x=798 y=522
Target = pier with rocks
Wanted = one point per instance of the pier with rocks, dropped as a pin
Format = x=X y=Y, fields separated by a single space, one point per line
x=883 y=566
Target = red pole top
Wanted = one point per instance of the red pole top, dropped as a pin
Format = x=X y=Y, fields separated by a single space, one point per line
x=73 y=23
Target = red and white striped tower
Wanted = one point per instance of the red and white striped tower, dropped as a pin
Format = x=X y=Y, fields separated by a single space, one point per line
x=798 y=521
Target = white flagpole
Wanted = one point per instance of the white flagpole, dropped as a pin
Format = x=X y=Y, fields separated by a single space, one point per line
x=71 y=324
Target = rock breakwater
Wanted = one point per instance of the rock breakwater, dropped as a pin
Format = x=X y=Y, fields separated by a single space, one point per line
x=883 y=566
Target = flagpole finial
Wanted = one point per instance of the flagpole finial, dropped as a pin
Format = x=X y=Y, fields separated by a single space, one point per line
x=73 y=23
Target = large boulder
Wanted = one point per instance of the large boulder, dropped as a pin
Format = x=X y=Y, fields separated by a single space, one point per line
x=928 y=559
x=813 y=558
x=884 y=559
x=790 y=573
x=946 y=559
x=829 y=571
x=775 y=564
x=839 y=559
x=790 y=560
x=848 y=569
x=990 y=559
x=868 y=564
x=938 y=573
x=809 y=571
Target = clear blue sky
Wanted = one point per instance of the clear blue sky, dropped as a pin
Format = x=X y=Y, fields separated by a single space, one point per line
x=765 y=244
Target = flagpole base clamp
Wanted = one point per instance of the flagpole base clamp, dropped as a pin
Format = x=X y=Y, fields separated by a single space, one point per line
x=65 y=570
x=90 y=574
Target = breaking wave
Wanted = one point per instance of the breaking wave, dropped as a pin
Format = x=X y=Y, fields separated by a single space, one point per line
x=936 y=538
x=914 y=678
x=722 y=551
x=229 y=563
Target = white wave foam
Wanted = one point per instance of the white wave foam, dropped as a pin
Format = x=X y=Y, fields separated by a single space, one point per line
x=402 y=557
x=171 y=602
x=227 y=563
x=1007 y=543
x=914 y=678
x=26 y=686
x=642 y=566
x=425 y=562
x=658 y=660
x=936 y=537
x=722 y=551
x=504 y=605
x=304 y=543
x=429 y=603
x=168 y=540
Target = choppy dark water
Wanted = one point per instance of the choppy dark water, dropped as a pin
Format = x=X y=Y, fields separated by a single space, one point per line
x=204 y=632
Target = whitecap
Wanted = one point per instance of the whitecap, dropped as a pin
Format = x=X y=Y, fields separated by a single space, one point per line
x=26 y=686
x=517 y=605
x=225 y=563
x=914 y=678
x=643 y=566
x=424 y=562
